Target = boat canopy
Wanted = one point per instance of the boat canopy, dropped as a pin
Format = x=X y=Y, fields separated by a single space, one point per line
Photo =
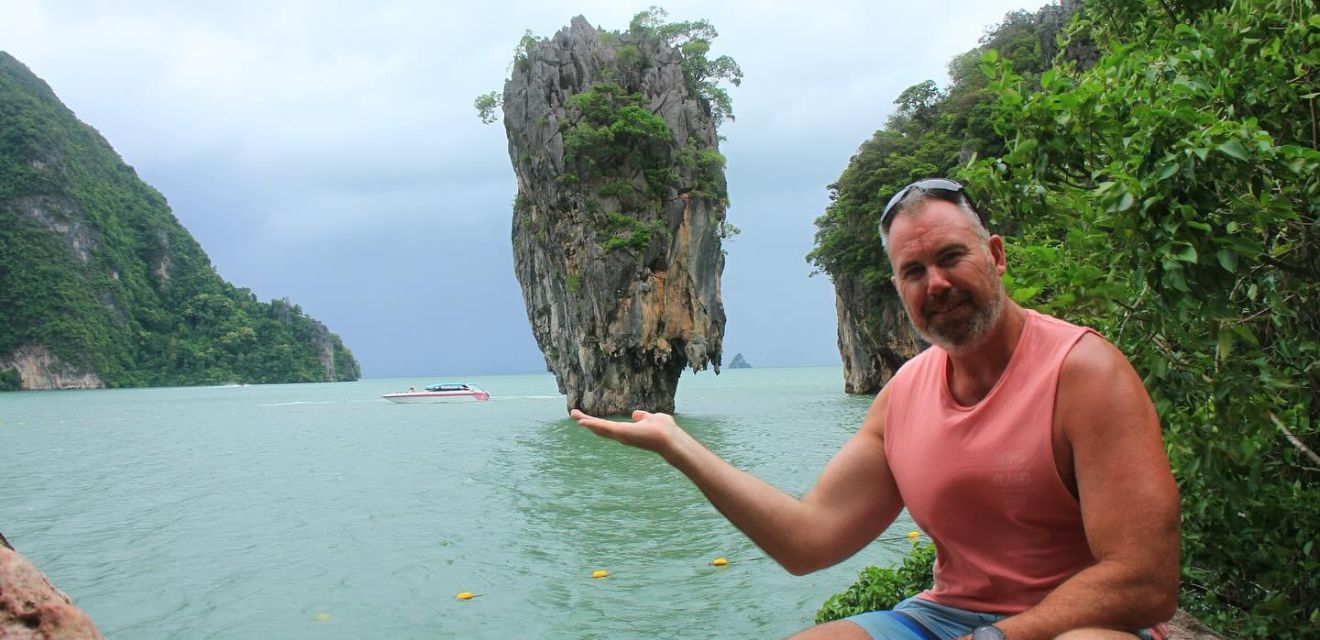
x=449 y=386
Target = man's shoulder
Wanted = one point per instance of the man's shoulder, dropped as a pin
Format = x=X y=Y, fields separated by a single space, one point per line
x=1054 y=322
x=1092 y=353
x=1095 y=368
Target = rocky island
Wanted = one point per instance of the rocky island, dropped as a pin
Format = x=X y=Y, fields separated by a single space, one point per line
x=620 y=210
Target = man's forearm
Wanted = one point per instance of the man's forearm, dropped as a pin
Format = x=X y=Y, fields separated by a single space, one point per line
x=1107 y=595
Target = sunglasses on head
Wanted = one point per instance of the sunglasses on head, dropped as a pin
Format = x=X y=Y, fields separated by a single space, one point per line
x=944 y=189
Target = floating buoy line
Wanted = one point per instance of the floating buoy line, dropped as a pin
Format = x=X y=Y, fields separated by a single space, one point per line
x=718 y=562
x=911 y=535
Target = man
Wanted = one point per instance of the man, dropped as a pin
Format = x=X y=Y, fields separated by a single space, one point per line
x=1026 y=447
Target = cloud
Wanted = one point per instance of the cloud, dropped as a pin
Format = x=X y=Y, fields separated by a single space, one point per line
x=330 y=153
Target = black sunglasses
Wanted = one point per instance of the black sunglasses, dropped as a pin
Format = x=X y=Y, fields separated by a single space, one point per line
x=953 y=190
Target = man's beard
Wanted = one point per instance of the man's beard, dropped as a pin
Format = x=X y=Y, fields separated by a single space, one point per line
x=962 y=335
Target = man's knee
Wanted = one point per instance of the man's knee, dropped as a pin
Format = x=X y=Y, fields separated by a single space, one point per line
x=1096 y=634
x=837 y=630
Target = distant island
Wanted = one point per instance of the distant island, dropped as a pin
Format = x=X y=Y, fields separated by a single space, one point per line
x=100 y=286
x=739 y=363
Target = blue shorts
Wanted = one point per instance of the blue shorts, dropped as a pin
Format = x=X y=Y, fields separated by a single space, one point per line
x=920 y=619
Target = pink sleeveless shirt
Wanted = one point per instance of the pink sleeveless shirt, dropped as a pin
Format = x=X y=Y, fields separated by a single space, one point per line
x=981 y=480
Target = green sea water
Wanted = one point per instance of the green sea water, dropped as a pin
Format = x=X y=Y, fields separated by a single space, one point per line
x=322 y=511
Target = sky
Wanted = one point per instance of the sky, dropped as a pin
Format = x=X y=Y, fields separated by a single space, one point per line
x=329 y=152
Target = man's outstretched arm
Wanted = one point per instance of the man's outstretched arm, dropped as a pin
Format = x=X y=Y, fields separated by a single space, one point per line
x=854 y=500
x=1128 y=497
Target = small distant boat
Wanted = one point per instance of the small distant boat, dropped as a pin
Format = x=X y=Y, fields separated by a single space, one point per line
x=443 y=392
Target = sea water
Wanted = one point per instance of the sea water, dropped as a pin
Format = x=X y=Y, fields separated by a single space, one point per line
x=323 y=511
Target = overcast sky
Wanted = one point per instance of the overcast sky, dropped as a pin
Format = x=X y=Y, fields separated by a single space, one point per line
x=328 y=152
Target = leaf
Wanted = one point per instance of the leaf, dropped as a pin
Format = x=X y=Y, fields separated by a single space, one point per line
x=1245 y=334
x=1225 y=344
x=1227 y=260
x=1234 y=149
x=1024 y=294
x=1125 y=202
x=1187 y=254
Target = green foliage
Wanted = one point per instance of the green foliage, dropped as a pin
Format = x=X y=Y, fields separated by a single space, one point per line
x=877 y=589
x=728 y=231
x=706 y=166
x=488 y=106
x=693 y=41
x=613 y=139
x=95 y=268
x=522 y=53
x=10 y=380
x=1168 y=196
x=629 y=233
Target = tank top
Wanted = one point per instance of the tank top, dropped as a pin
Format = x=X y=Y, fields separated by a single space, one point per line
x=981 y=481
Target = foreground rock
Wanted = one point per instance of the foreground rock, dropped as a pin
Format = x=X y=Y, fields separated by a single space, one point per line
x=1184 y=627
x=32 y=609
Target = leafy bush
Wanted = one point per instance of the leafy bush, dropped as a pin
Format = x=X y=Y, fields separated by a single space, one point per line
x=10 y=380
x=627 y=232
x=877 y=589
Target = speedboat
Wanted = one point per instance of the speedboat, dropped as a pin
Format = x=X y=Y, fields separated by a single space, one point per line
x=443 y=392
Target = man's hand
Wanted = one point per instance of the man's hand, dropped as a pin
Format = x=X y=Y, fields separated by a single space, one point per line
x=651 y=431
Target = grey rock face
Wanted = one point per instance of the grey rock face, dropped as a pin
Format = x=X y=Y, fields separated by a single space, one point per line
x=617 y=325
x=875 y=336
x=739 y=363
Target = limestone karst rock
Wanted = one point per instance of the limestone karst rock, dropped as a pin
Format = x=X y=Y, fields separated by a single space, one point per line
x=875 y=336
x=619 y=216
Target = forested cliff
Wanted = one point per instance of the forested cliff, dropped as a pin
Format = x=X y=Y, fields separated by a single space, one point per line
x=100 y=286
x=1157 y=177
x=932 y=132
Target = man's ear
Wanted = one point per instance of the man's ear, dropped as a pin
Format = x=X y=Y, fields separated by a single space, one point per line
x=997 y=253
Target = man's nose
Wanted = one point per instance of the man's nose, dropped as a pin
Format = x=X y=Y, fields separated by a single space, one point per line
x=937 y=282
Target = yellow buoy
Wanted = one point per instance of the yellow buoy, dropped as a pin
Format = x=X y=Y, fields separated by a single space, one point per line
x=600 y=574
x=914 y=535
x=466 y=595
x=719 y=562
x=322 y=617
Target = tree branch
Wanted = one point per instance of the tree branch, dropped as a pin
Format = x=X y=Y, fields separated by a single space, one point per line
x=1293 y=439
x=1291 y=268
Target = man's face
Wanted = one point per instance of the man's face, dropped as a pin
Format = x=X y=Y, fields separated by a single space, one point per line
x=948 y=278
